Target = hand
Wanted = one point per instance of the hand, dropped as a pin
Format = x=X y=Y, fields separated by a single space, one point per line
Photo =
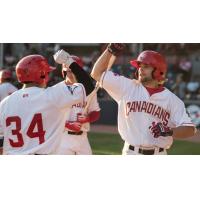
x=62 y=57
x=74 y=126
x=160 y=130
x=116 y=48
x=82 y=118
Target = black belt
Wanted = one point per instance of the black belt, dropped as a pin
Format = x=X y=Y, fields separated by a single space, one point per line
x=75 y=133
x=145 y=151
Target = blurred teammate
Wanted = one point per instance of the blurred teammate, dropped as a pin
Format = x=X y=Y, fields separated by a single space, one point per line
x=148 y=113
x=33 y=118
x=74 y=139
x=6 y=87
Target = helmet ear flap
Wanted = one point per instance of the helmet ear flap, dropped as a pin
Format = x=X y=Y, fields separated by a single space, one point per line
x=158 y=75
x=43 y=75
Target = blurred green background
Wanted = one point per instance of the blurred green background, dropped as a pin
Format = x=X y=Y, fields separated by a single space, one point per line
x=112 y=144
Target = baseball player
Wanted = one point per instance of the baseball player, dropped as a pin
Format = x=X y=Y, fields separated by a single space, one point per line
x=6 y=88
x=149 y=115
x=33 y=118
x=74 y=140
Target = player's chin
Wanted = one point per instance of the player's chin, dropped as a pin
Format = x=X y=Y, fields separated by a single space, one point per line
x=145 y=79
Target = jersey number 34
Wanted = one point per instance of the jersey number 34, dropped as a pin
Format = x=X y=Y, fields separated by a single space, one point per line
x=36 y=121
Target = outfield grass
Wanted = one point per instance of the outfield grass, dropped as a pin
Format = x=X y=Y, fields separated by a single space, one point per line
x=112 y=144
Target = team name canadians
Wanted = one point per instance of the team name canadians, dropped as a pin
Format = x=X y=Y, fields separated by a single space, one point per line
x=150 y=108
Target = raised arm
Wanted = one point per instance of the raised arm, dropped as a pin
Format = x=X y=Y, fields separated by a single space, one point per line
x=101 y=65
x=62 y=57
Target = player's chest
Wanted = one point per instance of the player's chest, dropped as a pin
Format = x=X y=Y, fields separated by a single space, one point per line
x=141 y=100
x=79 y=105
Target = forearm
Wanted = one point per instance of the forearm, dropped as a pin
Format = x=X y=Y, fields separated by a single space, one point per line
x=82 y=77
x=183 y=131
x=101 y=65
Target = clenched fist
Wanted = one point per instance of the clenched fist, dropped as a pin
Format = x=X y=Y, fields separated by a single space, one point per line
x=116 y=48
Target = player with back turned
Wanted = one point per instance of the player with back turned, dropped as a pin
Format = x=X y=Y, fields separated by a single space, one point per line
x=33 y=118
x=149 y=115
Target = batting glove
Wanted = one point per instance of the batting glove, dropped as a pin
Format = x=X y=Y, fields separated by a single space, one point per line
x=62 y=57
x=160 y=130
x=116 y=48
x=74 y=126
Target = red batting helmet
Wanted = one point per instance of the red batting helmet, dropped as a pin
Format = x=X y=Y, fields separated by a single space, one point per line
x=77 y=59
x=5 y=74
x=154 y=59
x=33 y=68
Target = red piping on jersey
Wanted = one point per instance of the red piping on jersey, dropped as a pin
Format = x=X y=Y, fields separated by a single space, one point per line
x=152 y=91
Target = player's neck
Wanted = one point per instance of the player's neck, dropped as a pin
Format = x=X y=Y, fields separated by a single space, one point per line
x=151 y=84
x=28 y=85
x=69 y=82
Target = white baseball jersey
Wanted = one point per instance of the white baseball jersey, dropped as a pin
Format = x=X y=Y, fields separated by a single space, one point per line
x=77 y=144
x=6 y=89
x=79 y=107
x=137 y=110
x=33 y=119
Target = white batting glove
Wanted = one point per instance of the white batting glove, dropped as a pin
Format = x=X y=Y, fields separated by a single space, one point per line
x=62 y=57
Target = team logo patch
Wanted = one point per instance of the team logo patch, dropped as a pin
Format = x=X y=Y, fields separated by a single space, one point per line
x=71 y=89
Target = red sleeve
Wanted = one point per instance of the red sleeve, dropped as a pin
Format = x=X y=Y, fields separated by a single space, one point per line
x=94 y=116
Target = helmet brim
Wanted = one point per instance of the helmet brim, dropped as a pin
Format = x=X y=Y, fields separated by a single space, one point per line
x=135 y=64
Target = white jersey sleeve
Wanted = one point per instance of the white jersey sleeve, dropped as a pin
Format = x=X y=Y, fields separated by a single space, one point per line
x=179 y=116
x=66 y=95
x=115 y=85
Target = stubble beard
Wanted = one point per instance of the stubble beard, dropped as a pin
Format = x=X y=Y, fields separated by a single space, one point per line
x=146 y=80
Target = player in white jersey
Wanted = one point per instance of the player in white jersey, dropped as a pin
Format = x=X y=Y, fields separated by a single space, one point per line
x=33 y=118
x=149 y=115
x=6 y=87
x=74 y=140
